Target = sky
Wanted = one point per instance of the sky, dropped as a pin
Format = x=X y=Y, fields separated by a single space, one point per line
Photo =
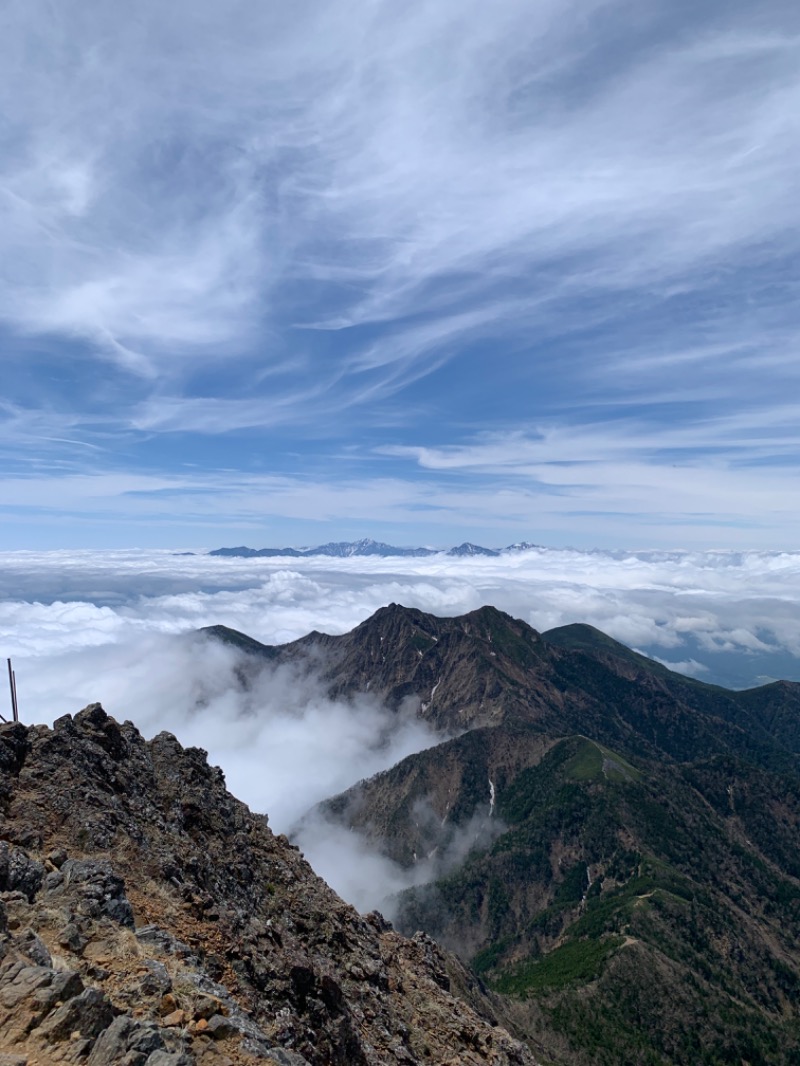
x=290 y=273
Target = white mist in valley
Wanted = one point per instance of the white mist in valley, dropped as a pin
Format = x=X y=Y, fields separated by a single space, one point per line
x=283 y=744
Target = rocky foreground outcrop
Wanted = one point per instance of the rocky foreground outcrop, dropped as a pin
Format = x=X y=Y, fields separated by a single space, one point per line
x=148 y=918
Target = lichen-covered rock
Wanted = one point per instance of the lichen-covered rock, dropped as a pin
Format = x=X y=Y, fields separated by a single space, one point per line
x=87 y=1014
x=126 y=1041
x=18 y=872
x=34 y=947
x=102 y=893
x=13 y=1060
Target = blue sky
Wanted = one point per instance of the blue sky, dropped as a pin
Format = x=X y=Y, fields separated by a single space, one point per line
x=427 y=272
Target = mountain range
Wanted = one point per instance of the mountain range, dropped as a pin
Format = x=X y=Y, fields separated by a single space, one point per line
x=365 y=547
x=606 y=860
x=612 y=847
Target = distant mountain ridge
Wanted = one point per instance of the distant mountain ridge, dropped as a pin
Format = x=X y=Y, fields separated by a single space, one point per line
x=365 y=547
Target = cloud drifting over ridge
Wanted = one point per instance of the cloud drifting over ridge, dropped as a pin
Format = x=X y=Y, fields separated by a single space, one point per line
x=117 y=627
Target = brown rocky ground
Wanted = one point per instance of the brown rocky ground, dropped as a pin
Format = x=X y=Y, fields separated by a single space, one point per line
x=148 y=918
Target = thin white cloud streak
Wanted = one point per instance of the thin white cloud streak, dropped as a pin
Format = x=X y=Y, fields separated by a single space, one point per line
x=596 y=484
x=747 y=431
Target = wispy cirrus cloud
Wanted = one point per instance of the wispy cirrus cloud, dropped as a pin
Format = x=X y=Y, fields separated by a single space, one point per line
x=277 y=225
x=151 y=206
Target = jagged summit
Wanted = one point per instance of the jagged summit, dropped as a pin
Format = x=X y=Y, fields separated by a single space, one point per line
x=467 y=549
x=397 y=611
x=626 y=846
x=612 y=844
x=366 y=546
x=149 y=918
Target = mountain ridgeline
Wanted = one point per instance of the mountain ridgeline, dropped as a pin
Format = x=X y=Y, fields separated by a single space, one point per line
x=630 y=883
x=486 y=668
x=346 y=549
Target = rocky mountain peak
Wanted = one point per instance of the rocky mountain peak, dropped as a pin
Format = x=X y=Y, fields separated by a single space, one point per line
x=396 y=614
x=148 y=917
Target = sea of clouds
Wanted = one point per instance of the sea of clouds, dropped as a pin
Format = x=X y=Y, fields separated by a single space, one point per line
x=120 y=628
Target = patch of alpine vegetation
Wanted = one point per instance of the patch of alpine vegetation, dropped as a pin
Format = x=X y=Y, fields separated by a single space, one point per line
x=629 y=910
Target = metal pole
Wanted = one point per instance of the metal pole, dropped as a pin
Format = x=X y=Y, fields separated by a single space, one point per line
x=14 y=694
x=12 y=684
x=11 y=687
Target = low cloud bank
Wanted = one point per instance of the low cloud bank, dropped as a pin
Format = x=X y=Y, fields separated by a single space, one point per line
x=283 y=743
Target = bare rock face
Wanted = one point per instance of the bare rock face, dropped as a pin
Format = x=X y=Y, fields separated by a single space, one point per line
x=147 y=918
x=477 y=670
